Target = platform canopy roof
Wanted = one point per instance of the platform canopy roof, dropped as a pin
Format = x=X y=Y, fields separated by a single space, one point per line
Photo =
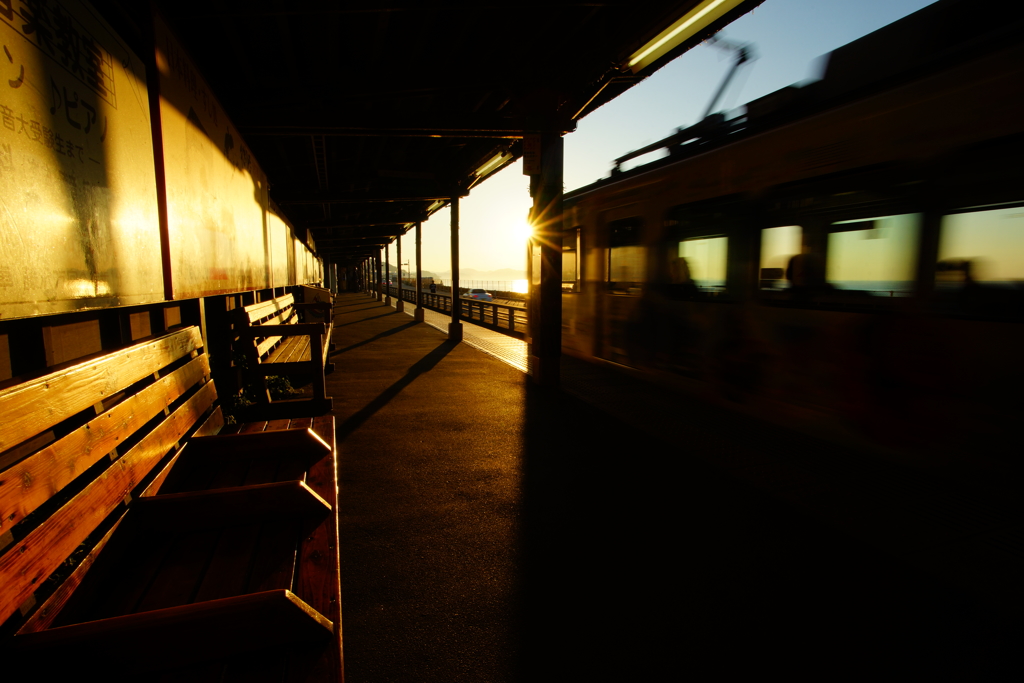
x=369 y=115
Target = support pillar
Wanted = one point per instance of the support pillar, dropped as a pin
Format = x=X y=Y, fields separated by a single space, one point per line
x=400 y=304
x=387 y=274
x=380 y=282
x=545 y=317
x=418 y=313
x=455 y=326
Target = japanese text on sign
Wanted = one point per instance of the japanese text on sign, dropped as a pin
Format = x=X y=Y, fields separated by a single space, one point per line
x=49 y=27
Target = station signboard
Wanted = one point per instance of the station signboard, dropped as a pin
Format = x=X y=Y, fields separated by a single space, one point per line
x=79 y=224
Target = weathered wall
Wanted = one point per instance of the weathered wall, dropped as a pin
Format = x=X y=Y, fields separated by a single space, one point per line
x=79 y=207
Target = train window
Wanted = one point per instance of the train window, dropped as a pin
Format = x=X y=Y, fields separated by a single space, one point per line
x=876 y=255
x=706 y=259
x=983 y=247
x=625 y=256
x=571 y=260
x=778 y=246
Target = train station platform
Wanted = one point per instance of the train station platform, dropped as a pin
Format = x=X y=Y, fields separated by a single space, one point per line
x=493 y=530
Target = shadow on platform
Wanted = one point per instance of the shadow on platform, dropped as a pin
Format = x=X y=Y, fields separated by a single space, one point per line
x=495 y=531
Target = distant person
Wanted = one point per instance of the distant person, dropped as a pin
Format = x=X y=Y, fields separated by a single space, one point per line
x=433 y=288
x=682 y=286
x=806 y=276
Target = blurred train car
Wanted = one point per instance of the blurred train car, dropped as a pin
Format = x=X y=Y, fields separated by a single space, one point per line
x=846 y=257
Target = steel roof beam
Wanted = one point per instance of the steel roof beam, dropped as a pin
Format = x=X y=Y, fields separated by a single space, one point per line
x=448 y=127
x=360 y=197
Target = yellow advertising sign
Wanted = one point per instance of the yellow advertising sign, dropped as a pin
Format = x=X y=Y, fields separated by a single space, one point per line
x=78 y=208
x=216 y=192
x=281 y=254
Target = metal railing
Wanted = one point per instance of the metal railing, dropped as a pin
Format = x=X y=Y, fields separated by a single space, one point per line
x=505 y=318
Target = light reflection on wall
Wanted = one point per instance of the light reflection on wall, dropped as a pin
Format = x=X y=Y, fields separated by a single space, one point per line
x=78 y=218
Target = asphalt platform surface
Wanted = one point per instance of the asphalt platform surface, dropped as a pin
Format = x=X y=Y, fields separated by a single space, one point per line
x=492 y=530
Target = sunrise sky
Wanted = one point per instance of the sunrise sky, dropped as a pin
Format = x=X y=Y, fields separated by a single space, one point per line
x=788 y=37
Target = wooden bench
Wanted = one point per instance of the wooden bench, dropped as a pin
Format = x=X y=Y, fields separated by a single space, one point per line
x=142 y=537
x=276 y=343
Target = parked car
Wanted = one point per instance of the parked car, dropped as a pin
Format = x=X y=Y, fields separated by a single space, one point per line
x=478 y=294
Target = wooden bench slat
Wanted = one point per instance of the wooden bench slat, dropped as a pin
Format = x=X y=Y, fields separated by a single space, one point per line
x=295 y=350
x=176 y=557
x=236 y=505
x=210 y=427
x=272 y=440
x=319 y=578
x=227 y=573
x=288 y=317
x=32 y=482
x=36 y=556
x=37 y=405
x=48 y=611
x=264 y=347
x=264 y=308
x=177 y=577
x=109 y=593
x=272 y=348
x=200 y=460
x=274 y=559
x=178 y=636
x=180 y=548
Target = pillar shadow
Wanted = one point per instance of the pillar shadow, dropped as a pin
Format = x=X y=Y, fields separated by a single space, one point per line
x=375 y=337
x=423 y=365
x=642 y=561
x=363 y=320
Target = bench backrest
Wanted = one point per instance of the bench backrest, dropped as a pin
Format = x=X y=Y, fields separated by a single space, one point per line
x=277 y=311
x=311 y=295
x=77 y=444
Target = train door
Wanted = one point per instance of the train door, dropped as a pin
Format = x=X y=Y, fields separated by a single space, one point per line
x=700 y=265
x=625 y=270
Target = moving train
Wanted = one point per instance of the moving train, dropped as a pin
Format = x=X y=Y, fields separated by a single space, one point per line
x=846 y=257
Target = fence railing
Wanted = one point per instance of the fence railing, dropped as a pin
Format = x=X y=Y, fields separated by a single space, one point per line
x=501 y=289
x=504 y=318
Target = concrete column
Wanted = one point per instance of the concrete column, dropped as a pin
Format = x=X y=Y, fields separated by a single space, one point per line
x=387 y=274
x=455 y=326
x=545 y=318
x=400 y=304
x=380 y=281
x=418 y=314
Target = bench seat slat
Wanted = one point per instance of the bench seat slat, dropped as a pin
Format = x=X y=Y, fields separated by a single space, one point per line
x=293 y=439
x=227 y=573
x=294 y=350
x=319 y=578
x=181 y=548
x=48 y=611
x=288 y=452
x=178 y=636
x=37 y=555
x=179 y=570
x=35 y=406
x=236 y=505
